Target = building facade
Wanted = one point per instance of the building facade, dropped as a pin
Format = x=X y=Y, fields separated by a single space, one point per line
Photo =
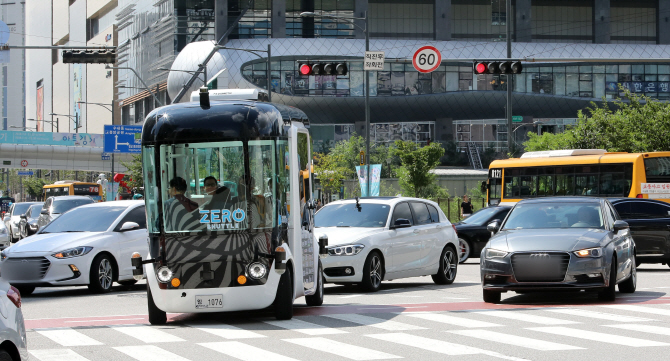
x=69 y=98
x=165 y=40
x=13 y=72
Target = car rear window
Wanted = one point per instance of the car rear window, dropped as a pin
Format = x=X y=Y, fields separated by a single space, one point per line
x=62 y=206
x=642 y=210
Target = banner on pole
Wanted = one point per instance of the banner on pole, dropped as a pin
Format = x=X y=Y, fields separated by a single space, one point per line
x=375 y=180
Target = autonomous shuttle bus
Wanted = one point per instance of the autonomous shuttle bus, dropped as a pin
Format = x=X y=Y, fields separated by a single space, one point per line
x=228 y=191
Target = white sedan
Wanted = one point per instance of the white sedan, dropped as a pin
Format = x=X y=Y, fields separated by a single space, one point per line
x=13 y=344
x=386 y=238
x=88 y=245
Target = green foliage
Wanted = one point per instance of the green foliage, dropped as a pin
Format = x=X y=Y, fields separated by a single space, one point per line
x=331 y=171
x=452 y=156
x=34 y=186
x=640 y=124
x=135 y=172
x=414 y=174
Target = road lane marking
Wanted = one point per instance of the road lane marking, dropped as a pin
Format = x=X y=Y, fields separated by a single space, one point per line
x=57 y=355
x=598 y=315
x=341 y=349
x=244 y=352
x=658 y=330
x=598 y=336
x=351 y=296
x=513 y=340
x=149 y=353
x=68 y=337
x=520 y=316
x=146 y=334
x=307 y=328
x=375 y=322
x=642 y=309
x=227 y=331
x=110 y=320
x=452 y=320
x=439 y=346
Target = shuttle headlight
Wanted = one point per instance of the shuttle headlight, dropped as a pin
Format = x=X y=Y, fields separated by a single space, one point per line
x=164 y=274
x=257 y=270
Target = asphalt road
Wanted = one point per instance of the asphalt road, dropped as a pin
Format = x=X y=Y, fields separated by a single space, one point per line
x=412 y=319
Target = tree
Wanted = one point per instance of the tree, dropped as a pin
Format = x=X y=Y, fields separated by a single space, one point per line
x=640 y=124
x=415 y=177
x=331 y=171
x=135 y=172
x=34 y=186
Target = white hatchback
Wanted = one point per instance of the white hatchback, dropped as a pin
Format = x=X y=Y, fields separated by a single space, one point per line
x=87 y=245
x=386 y=238
x=13 y=343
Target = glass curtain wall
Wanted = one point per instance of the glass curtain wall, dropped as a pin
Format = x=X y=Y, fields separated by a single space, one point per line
x=256 y=23
x=317 y=27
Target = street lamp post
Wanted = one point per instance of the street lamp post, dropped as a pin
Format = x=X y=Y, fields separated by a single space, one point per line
x=20 y=127
x=111 y=109
x=367 y=83
x=48 y=121
x=75 y=118
x=138 y=77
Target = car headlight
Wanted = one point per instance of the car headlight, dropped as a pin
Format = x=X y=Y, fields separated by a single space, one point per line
x=348 y=250
x=589 y=252
x=72 y=252
x=495 y=253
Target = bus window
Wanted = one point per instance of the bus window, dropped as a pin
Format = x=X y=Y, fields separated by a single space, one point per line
x=586 y=180
x=262 y=166
x=304 y=155
x=545 y=186
x=565 y=179
x=150 y=189
x=657 y=169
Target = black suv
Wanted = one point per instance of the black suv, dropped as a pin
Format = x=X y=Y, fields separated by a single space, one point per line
x=54 y=206
x=649 y=222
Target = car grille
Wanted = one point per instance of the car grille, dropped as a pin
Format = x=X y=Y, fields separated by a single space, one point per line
x=540 y=266
x=25 y=269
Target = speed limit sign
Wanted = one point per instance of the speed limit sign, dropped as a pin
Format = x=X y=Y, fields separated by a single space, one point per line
x=427 y=59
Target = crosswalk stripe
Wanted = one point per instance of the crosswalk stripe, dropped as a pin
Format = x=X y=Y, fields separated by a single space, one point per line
x=658 y=330
x=244 y=352
x=520 y=316
x=452 y=320
x=227 y=331
x=439 y=346
x=147 y=334
x=150 y=353
x=57 y=355
x=598 y=336
x=341 y=349
x=513 y=340
x=598 y=315
x=307 y=328
x=68 y=337
x=375 y=322
x=642 y=309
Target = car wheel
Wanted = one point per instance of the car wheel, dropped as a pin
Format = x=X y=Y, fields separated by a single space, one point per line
x=5 y=356
x=373 y=272
x=465 y=250
x=317 y=298
x=25 y=290
x=629 y=285
x=609 y=293
x=284 y=297
x=156 y=315
x=127 y=283
x=446 y=274
x=491 y=296
x=102 y=274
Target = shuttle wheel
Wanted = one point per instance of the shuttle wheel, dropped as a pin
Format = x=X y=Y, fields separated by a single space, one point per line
x=156 y=315
x=284 y=298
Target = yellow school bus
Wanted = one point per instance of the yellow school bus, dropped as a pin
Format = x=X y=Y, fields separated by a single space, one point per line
x=579 y=172
x=73 y=188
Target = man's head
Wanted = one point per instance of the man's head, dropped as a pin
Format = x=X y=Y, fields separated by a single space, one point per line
x=210 y=184
x=178 y=185
x=585 y=214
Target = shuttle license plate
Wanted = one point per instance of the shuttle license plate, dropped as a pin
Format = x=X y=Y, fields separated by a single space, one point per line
x=208 y=301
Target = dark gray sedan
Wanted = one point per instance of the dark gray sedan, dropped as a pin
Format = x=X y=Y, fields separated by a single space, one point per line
x=559 y=243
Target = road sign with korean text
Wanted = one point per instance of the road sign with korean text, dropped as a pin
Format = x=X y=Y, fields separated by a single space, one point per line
x=123 y=139
x=374 y=60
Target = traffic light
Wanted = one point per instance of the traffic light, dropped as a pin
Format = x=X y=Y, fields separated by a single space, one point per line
x=107 y=56
x=323 y=68
x=497 y=67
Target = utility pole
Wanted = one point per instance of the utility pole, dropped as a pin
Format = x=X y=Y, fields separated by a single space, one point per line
x=508 y=109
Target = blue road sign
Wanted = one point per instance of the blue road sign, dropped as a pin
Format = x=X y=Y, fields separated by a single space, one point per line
x=123 y=139
x=105 y=156
x=25 y=172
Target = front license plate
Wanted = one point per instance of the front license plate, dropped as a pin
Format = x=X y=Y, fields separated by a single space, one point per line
x=208 y=301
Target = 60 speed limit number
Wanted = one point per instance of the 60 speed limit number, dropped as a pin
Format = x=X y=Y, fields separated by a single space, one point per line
x=427 y=59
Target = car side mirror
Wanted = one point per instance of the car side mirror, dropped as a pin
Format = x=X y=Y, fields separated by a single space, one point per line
x=44 y=211
x=401 y=223
x=620 y=225
x=128 y=226
x=6 y=218
x=23 y=216
x=493 y=226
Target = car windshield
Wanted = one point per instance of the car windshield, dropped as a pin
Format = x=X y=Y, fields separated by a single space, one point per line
x=21 y=208
x=479 y=217
x=87 y=219
x=349 y=215
x=35 y=210
x=555 y=215
x=65 y=205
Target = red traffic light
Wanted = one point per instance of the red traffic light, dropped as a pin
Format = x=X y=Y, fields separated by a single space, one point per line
x=480 y=68
x=305 y=69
